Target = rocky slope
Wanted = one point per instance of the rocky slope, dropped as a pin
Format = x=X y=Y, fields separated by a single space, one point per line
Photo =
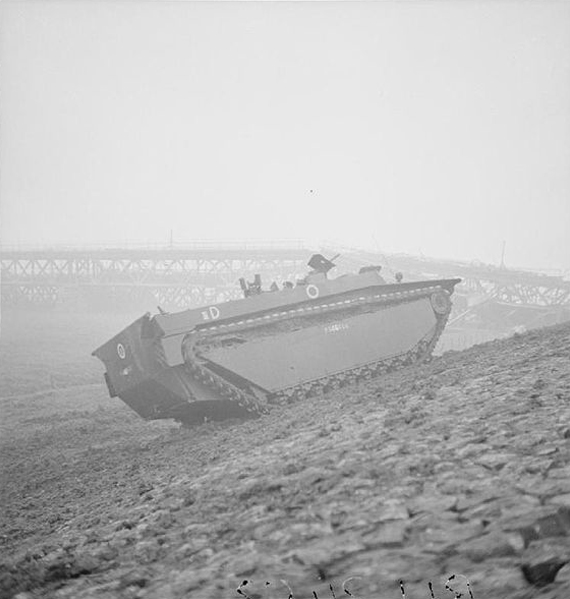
x=460 y=466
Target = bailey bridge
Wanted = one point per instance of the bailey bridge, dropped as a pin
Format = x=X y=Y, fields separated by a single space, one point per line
x=183 y=276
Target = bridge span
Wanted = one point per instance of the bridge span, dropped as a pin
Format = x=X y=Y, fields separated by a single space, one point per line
x=183 y=276
x=173 y=277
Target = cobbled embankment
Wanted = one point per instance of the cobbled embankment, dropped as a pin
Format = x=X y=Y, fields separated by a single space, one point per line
x=460 y=466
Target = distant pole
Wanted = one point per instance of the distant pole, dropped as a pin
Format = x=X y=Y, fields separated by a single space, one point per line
x=503 y=255
x=171 y=239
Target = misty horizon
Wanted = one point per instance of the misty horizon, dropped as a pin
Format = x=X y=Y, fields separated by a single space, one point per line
x=432 y=129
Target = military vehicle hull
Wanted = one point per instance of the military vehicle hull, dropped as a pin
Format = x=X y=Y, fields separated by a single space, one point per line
x=240 y=357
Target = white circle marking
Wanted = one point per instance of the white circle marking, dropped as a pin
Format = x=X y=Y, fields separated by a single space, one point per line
x=312 y=291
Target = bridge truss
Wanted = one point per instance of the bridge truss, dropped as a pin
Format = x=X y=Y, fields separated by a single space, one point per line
x=173 y=278
x=182 y=277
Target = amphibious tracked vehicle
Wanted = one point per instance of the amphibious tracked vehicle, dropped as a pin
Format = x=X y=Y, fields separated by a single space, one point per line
x=240 y=357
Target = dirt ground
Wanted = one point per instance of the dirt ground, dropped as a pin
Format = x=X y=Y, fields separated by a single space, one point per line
x=460 y=466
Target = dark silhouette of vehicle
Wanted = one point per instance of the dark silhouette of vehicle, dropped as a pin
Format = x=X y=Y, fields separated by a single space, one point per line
x=240 y=357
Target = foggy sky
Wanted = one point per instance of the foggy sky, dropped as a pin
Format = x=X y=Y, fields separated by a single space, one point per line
x=440 y=128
